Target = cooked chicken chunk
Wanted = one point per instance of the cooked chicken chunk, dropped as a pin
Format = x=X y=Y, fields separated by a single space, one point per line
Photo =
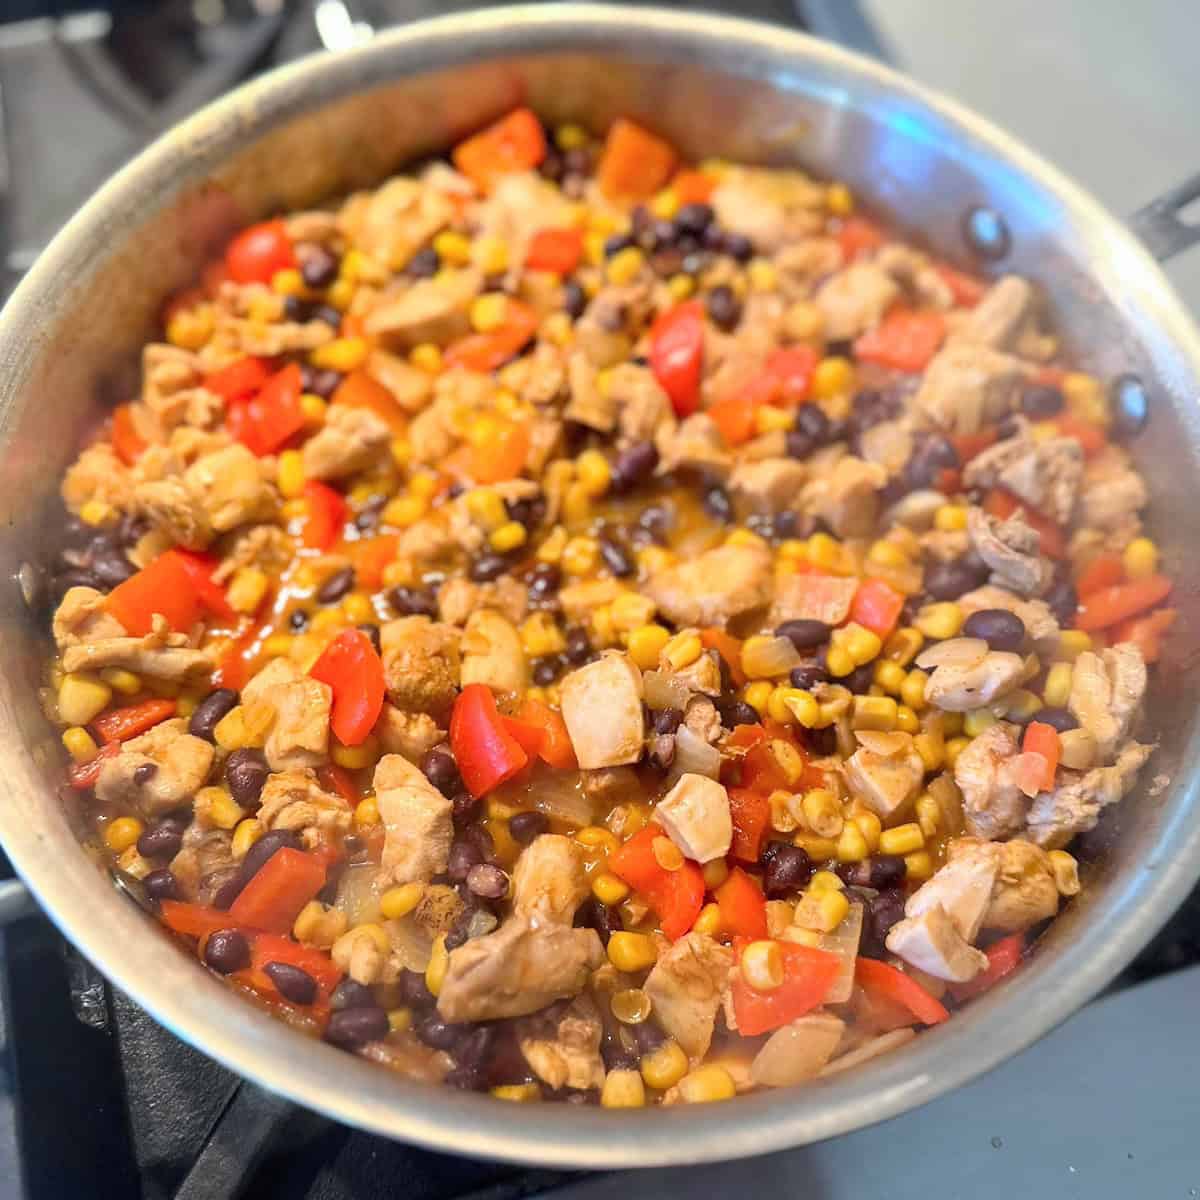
x=302 y=705
x=411 y=734
x=804 y=597
x=421 y=664
x=517 y=970
x=1046 y=475
x=1023 y=892
x=392 y=223
x=643 y=408
x=97 y=474
x=686 y=986
x=967 y=675
x=989 y=778
x=295 y=800
x=846 y=496
x=932 y=944
x=695 y=816
x=966 y=387
x=1011 y=549
x=714 y=587
x=1113 y=494
x=157 y=771
x=588 y=405
x=548 y=881
x=351 y=440
x=695 y=445
x=563 y=1049
x=492 y=652
x=1007 y=319
x=769 y=485
x=886 y=782
x=962 y=889
x=854 y=300
x=427 y=311
x=458 y=598
x=416 y=819
x=602 y=708
x=204 y=862
x=1106 y=694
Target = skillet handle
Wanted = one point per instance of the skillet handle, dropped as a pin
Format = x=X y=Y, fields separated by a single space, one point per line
x=1160 y=226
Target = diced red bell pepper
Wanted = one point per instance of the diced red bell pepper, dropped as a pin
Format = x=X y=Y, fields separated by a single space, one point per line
x=267 y=420
x=553 y=742
x=1002 y=504
x=273 y=948
x=857 y=236
x=808 y=974
x=121 y=724
x=1042 y=739
x=484 y=352
x=281 y=887
x=1110 y=605
x=877 y=606
x=514 y=143
x=1104 y=571
x=199 y=569
x=905 y=340
x=792 y=370
x=676 y=355
x=735 y=416
x=371 y=556
x=82 y=776
x=557 y=250
x=750 y=812
x=675 y=896
x=326 y=515
x=502 y=455
x=352 y=669
x=258 y=252
x=1003 y=958
x=177 y=585
x=487 y=754
x=126 y=440
x=968 y=445
x=527 y=736
x=634 y=163
x=742 y=905
x=194 y=920
x=337 y=779
x=894 y=985
x=728 y=647
x=1145 y=632
x=966 y=289
x=1091 y=437
x=360 y=390
x=239 y=380
x=693 y=187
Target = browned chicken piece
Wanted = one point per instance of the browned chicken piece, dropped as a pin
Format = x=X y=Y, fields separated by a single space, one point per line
x=172 y=393
x=1011 y=549
x=604 y=332
x=1007 y=319
x=845 y=497
x=81 y=617
x=694 y=445
x=579 y=600
x=965 y=674
x=966 y=387
x=989 y=776
x=1023 y=891
x=696 y=817
x=458 y=598
x=539 y=376
x=701 y=715
x=293 y=799
x=204 y=862
x=264 y=546
x=588 y=405
x=410 y=387
x=492 y=653
x=421 y=664
x=563 y=1048
x=685 y=986
x=1076 y=803
x=932 y=944
x=714 y=587
x=411 y=734
x=520 y=204
x=800 y=597
x=351 y=440
x=797 y=1051
x=1106 y=695
x=854 y=300
x=417 y=822
x=890 y=444
x=548 y=881
x=393 y=222
x=1046 y=475
x=299 y=735
x=1039 y=621
x=962 y=888
x=804 y=264
x=1113 y=493
x=523 y=966
x=643 y=408
x=428 y=541
x=767 y=486
x=94 y=644
x=178 y=767
x=426 y=311
x=602 y=707
x=771 y=208
x=886 y=775
x=97 y=474
x=916 y=274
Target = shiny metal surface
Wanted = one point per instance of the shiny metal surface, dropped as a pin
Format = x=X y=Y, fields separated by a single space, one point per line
x=68 y=341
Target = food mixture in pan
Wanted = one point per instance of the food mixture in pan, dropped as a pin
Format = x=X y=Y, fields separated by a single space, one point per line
x=583 y=626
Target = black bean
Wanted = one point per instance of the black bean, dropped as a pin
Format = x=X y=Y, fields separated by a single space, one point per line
x=162 y=840
x=526 y=826
x=473 y=1050
x=298 y=620
x=465 y=807
x=268 y=844
x=735 y=712
x=656 y=521
x=594 y=914
x=574 y=299
x=462 y=857
x=552 y=166
x=294 y=984
x=694 y=218
x=933 y=455
x=579 y=647
x=871 y=407
x=949 y=580
x=487 y=882
x=819 y=742
x=1063 y=600
x=633 y=466
x=162 y=885
x=808 y=676
x=616 y=557
x=488 y=567
x=229 y=890
x=227 y=951
x=718 y=505
x=878 y=872
x=812 y=422
x=667 y=261
x=413 y=990
x=336 y=586
x=367 y=519
x=349 y=993
x=1041 y=400
x=798 y=445
x=144 y=773
x=544 y=580
x=786 y=869
x=373 y=636
x=529 y=511
x=738 y=247
x=412 y=602
x=109 y=565
x=648 y=1036
x=441 y=770
x=327 y=314
x=246 y=771
x=998 y=627
x=724 y=308
x=209 y=712
x=1059 y=718
x=439 y=1034
x=616 y=1055
x=324 y=382
x=804 y=634
x=479 y=837
x=617 y=243
x=424 y=264
x=667 y=720
x=859 y=680
x=356 y=1026
x=318 y=267
x=884 y=911
x=544 y=671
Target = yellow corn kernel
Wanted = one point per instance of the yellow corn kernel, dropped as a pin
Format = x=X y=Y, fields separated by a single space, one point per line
x=366 y=812
x=247 y=589
x=245 y=834
x=121 y=680
x=580 y=556
x=821 y=911
x=940 y=621
x=80 y=744
x=95 y=512
x=570 y=137
x=293 y=510
x=435 y=972
x=279 y=645
x=646 y=644
x=952 y=723
x=769 y=419
x=871 y=828
x=1085 y=398
x=912 y=690
x=82 y=698
x=825 y=552
x=222 y=810
x=399 y=901
x=929 y=814
x=490 y=255
x=186 y=706
x=340 y=294
x=890 y=676
x=1071 y=643
x=762 y=275
x=1022 y=705
x=682 y=650
x=540 y=636
x=839 y=662
x=825 y=881
x=288 y=282
x=1140 y=558
x=404 y=511
x=453 y=249
x=665 y=204
x=851 y=846
x=632 y=952
x=358 y=608
x=977 y=720
x=762 y=965
x=556 y=329
x=122 y=833
x=486 y=508
x=597 y=837
x=522 y=1093
x=954 y=747
x=313 y=408
x=593 y=248
x=291 y=474
x=625 y=266
x=887 y=554
x=190 y=328
x=489 y=312
x=822 y=812
x=907 y=721
x=1066 y=872
x=707 y=1084
x=509 y=536
x=834 y=376
x=874 y=712
x=426 y=357
x=950 y=518
x=609 y=888
x=860 y=643
x=631 y=610
x=355 y=758
x=399 y=1019
x=594 y=472
x=759 y=660
x=230 y=731
x=758 y=695
x=623 y=1088
x=342 y=354
x=918 y=866
x=665 y=1066
x=819 y=849
x=903 y=839
x=709 y=921
x=681 y=287
x=1057 y=690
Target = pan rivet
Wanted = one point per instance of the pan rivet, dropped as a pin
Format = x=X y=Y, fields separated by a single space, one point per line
x=987 y=232
x=29 y=580
x=1130 y=405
